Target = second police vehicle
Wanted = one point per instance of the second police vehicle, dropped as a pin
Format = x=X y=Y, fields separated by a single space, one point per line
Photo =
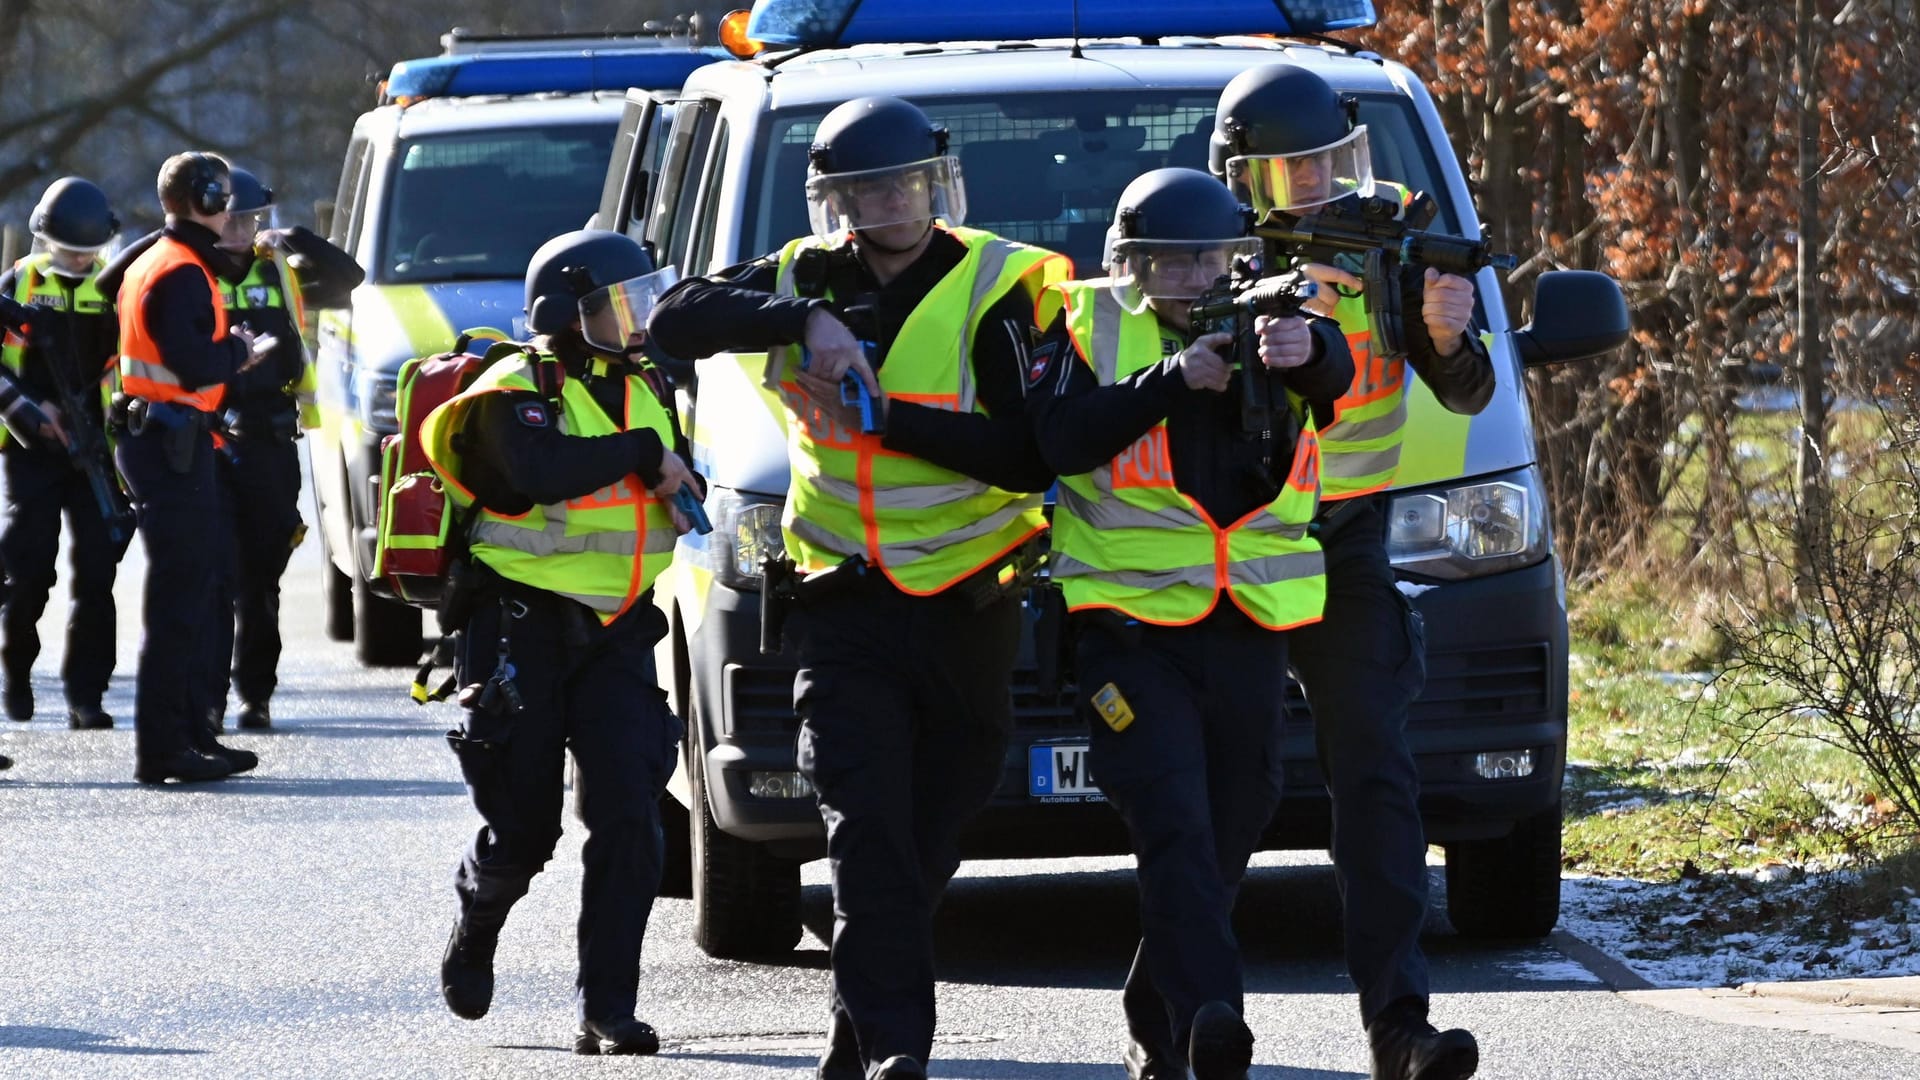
x=1051 y=113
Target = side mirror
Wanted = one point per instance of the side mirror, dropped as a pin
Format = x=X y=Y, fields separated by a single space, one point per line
x=323 y=217
x=1577 y=314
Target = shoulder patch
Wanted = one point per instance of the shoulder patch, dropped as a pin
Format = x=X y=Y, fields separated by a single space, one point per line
x=533 y=414
x=1040 y=359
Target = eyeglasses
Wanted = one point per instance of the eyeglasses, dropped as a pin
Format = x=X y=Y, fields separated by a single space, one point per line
x=915 y=183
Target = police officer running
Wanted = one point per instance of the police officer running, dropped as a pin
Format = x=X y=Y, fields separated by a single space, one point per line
x=914 y=536
x=272 y=277
x=71 y=225
x=178 y=350
x=1287 y=140
x=1181 y=542
x=564 y=459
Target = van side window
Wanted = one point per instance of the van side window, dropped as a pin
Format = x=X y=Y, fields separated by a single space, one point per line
x=671 y=219
x=346 y=201
x=708 y=212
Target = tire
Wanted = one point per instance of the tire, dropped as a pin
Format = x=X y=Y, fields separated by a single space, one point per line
x=746 y=903
x=336 y=595
x=1510 y=887
x=676 y=869
x=386 y=633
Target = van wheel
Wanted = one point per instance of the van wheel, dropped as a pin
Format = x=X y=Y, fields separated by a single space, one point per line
x=336 y=595
x=746 y=903
x=386 y=633
x=1509 y=887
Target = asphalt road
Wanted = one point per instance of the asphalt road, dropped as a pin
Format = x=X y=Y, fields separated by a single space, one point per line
x=289 y=923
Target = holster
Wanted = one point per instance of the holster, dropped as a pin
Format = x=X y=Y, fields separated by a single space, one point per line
x=782 y=587
x=178 y=428
x=1047 y=608
x=1006 y=576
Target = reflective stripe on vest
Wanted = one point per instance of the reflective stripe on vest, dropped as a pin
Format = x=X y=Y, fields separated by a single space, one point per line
x=604 y=549
x=1124 y=537
x=926 y=527
x=143 y=371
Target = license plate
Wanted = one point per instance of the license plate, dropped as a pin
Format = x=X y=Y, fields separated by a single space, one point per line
x=1057 y=769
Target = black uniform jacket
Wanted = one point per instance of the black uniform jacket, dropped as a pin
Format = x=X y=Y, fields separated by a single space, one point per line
x=1082 y=425
x=735 y=309
x=179 y=308
x=84 y=347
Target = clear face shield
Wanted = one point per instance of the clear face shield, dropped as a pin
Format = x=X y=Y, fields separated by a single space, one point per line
x=614 y=319
x=1291 y=183
x=1171 y=271
x=66 y=260
x=237 y=235
x=908 y=194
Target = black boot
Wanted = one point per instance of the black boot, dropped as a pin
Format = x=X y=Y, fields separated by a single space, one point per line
x=1406 y=1047
x=255 y=717
x=623 y=1036
x=1146 y=1064
x=466 y=970
x=238 y=760
x=186 y=766
x=899 y=1067
x=5 y=763
x=1221 y=1047
x=89 y=718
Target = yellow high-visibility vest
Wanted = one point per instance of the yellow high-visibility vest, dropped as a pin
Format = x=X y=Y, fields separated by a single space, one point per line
x=1126 y=538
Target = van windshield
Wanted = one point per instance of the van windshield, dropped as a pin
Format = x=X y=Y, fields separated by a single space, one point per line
x=474 y=205
x=1047 y=169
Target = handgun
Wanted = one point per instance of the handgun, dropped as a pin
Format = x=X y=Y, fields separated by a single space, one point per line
x=690 y=506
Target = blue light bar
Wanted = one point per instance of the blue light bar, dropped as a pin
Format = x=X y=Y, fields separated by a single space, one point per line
x=576 y=72
x=820 y=24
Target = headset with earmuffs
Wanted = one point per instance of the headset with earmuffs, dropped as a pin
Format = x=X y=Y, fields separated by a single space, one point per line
x=207 y=190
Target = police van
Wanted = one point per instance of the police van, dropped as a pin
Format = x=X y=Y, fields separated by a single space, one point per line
x=472 y=160
x=1050 y=120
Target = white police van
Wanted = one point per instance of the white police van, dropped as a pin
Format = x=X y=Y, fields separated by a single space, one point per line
x=473 y=159
x=1048 y=131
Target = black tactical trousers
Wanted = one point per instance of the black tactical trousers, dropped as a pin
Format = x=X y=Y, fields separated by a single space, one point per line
x=186 y=524
x=905 y=711
x=1361 y=667
x=42 y=485
x=266 y=487
x=1196 y=776
x=592 y=690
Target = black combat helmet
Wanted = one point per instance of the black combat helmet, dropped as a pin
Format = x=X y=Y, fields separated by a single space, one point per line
x=74 y=213
x=1286 y=140
x=574 y=274
x=879 y=161
x=1174 y=231
x=249 y=194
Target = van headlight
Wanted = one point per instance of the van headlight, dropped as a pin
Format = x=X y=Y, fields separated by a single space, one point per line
x=1470 y=530
x=376 y=399
x=746 y=529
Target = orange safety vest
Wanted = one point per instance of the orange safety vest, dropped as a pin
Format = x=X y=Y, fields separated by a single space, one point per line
x=143 y=371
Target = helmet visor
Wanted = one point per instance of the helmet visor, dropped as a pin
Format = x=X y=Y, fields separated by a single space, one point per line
x=614 y=319
x=1143 y=270
x=1293 y=182
x=241 y=228
x=68 y=260
x=915 y=192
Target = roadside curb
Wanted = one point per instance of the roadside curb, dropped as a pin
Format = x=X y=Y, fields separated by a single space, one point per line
x=1892 y=992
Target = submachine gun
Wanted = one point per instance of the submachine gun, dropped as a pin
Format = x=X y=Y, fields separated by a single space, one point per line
x=86 y=442
x=1386 y=237
x=1229 y=306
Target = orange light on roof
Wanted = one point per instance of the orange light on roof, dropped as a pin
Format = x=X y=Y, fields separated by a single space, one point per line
x=733 y=35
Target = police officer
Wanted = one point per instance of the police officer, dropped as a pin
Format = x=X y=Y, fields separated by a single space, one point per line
x=178 y=350
x=265 y=409
x=71 y=225
x=1292 y=144
x=564 y=459
x=907 y=646
x=1180 y=661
